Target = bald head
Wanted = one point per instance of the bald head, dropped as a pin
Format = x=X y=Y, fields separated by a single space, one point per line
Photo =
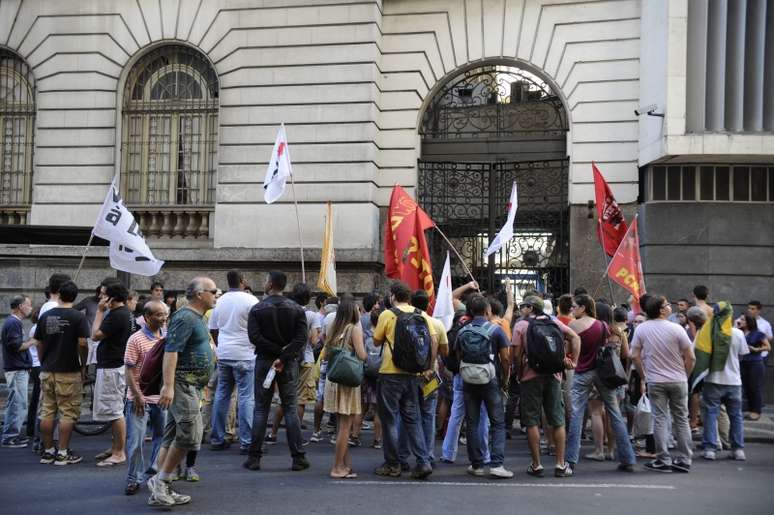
x=155 y=313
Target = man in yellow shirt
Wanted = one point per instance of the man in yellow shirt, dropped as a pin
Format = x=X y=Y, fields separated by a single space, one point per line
x=399 y=389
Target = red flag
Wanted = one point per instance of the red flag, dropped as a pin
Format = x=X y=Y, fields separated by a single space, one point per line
x=406 y=255
x=626 y=267
x=611 y=225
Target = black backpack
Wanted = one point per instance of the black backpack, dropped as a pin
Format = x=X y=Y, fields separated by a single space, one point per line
x=452 y=360
x=545 y=346
x=412 y=348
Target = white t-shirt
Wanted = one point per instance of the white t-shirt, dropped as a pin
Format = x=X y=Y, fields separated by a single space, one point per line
x=229 y=318
x=661 y=345
x=765 y=327
x=730 y=374
x=34 y=349
x=312 y=323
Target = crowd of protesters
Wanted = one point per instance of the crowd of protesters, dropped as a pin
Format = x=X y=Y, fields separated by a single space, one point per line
x=383 y=364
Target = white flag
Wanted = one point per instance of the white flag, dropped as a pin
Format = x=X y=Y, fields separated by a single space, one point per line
x=506 y=233
x=128 y=250
x=444 y=307
x=279 y=168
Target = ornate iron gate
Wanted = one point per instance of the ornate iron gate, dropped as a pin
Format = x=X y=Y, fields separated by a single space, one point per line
x=469 y=203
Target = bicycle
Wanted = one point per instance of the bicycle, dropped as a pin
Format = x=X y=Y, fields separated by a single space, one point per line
x=86 y=425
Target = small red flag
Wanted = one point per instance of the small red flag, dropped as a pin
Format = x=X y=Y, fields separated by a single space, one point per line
x=611 y=225
x=626 y=266
x=406 y=255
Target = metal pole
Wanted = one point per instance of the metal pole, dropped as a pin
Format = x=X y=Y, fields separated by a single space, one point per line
x=83 y=257
x=298 y=222
x=467 y=270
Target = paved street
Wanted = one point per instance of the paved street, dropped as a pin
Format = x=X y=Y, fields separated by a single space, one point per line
x=27 y=487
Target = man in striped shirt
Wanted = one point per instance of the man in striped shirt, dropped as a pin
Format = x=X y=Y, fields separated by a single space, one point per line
x=141 y=410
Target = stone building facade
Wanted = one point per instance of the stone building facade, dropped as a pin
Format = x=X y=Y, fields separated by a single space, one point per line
x=454 y=100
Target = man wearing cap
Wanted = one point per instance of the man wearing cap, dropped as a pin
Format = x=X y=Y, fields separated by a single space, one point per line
x=542 y=392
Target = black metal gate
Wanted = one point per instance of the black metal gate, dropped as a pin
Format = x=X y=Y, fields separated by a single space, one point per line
x=469 y=203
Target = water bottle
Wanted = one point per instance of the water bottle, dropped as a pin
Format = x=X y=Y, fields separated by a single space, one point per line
x=269 y=378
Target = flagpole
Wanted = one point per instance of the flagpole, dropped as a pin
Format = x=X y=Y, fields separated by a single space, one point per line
x=83 y=257
x=606 y=260
x=298 y=223
x=467 y=270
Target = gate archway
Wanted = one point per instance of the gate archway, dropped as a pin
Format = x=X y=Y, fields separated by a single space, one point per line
x=483 y=130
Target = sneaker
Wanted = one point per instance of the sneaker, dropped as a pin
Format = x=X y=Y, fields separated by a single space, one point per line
x=658 y=466
x=160 y=495
x=47 y=457
x=354 y=441
x=563 y=471
x=377 y=444
x=681 y=466
x=625 y=467
x=270 y=439
x=421 y=471
x=463 y=440
x=222 y=446
x=444 y=460
x=387 y=471
x=535 y=471
x=16 y=443
x=500 y=472
x=191 y=475
x=131 y=488
x=316 y=437
x=709 y=454
x=365 y=426
x=252 y=463
x=300 y=464
x=333 y=438
x=179 y=498
x=738 y=455
x=304 y=443
x=595 y=456
x=68 y=458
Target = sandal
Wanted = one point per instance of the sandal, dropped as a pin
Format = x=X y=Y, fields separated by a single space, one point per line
x=103 y=455
x=108 y=463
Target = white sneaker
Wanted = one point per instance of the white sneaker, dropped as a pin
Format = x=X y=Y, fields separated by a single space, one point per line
x=709 y=454
x=478 y=472
x=738 y=455
x=160 y=495
x=179 y=498
x=500 y=472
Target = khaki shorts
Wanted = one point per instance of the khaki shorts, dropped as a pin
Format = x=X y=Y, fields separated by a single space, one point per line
x=541 y=396
x=307 y=390
x=184 y=426
x=61 y=392
x=109 y=394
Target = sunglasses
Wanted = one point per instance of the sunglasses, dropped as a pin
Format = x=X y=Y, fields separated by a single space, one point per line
x=214 y=292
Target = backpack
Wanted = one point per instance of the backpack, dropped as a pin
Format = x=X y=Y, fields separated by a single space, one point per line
x=452 y=360
x=475 y=347
x=412 y=348
x=545 y=346
x=373 y=357
x=151 y=373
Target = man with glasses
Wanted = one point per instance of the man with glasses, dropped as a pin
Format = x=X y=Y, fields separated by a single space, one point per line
x=664 y=358
x=186 y=370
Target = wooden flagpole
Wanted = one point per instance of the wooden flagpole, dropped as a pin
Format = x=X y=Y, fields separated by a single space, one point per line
x=83 y=258
x=467 y=270
x=298 y=223
x=607 y=264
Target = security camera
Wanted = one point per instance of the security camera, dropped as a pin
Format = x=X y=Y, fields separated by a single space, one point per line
x=649 y=109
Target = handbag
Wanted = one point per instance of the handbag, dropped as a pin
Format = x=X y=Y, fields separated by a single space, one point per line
x=344 y=367
x=610 y=370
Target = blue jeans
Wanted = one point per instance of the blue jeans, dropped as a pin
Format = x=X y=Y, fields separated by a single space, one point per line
x=17 y=382
x=490 y=395
x=398 y=404
x=287 y=382
x=241 y=374
x=451 y=440
x=579 y=395
x=136 y=427
x=427 y=419
x=712 y=395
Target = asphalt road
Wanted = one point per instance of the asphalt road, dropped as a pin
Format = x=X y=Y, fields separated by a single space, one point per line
x=722 y=487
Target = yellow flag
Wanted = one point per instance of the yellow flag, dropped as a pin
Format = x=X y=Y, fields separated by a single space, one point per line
x=327 y=280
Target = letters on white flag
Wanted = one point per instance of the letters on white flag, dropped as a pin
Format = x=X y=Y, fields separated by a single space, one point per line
x=444 y=307
x=506 y=233
x=279 y=168
x=128 y=250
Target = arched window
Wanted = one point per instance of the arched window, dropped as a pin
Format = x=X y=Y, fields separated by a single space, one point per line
x=17 y=124
x=170 y=130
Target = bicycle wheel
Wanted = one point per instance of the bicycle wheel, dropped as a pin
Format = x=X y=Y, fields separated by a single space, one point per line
x=86 y=425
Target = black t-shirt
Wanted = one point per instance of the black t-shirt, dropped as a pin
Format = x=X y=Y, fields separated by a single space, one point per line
x=117 y=327
x=59 y=329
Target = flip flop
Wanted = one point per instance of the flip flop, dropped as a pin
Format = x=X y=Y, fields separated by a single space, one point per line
x=108 y=463
x=103 y=455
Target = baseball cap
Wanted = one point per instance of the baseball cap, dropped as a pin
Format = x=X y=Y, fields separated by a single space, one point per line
x=533 y=301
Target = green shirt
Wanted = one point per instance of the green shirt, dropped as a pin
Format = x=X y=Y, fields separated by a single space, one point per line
x=188 y=336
